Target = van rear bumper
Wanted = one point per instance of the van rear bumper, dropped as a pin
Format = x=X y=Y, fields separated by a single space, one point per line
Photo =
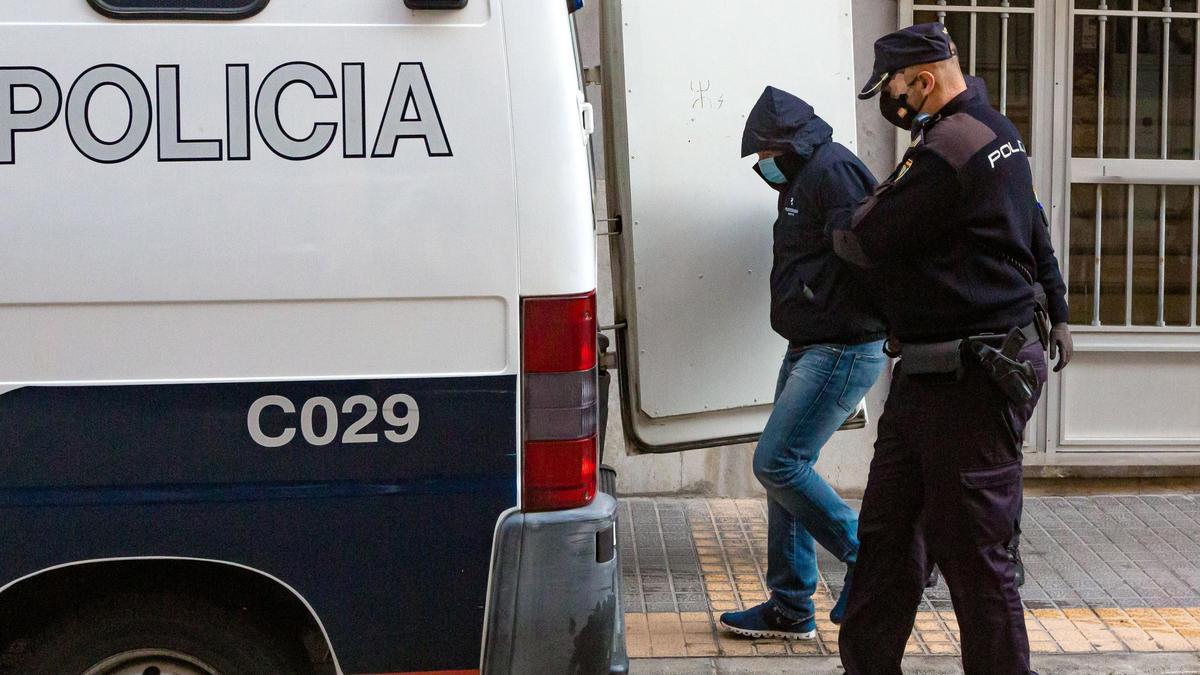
x=554 y=601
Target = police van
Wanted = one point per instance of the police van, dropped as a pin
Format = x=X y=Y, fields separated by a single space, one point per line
x=298 y=362
x=298 y=322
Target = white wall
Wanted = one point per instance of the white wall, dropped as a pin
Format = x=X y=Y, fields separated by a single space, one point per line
x=727 y=471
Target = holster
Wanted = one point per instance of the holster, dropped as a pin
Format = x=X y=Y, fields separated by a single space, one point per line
x=1016 y=379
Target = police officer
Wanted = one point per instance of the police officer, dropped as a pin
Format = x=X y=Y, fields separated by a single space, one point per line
x=1050 y=291
x=949 y=237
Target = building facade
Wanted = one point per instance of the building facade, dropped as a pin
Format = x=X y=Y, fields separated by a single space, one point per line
x=1106 y=94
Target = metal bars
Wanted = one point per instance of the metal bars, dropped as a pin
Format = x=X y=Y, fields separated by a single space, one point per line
x=1133 y=77
x=1003 y=59
x=1195 y=157
x=1097 y=257
x=1003 y=11
x=1162 y=190
x=942 y=7
x=1146 y=262
x=1103 y=46
x=1130 y=194
x=974 y=28
x=1101 y=41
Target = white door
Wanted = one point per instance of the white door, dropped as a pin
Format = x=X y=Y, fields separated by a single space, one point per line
x=693 y=260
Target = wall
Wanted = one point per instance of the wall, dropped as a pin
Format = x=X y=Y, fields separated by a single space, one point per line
x=726 y=471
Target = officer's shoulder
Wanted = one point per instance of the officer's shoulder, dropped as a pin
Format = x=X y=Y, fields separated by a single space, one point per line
x=958 y=137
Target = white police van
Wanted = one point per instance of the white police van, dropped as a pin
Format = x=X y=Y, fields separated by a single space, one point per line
x=298 y=340
x=298 y=356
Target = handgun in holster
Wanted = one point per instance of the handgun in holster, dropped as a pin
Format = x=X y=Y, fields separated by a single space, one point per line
x=1016 y=379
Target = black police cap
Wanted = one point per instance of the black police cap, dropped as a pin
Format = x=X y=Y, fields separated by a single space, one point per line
x=922 y=43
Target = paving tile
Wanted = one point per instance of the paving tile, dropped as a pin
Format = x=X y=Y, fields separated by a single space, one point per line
x=1170 y=641
x=1043 y=647
x=942 y=648
x=700 y=647
x=735 y=647
x=805 y=647
x=637 y=647
x=777 y=649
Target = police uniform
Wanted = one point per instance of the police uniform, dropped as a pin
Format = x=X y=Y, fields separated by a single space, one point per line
x=949 y=239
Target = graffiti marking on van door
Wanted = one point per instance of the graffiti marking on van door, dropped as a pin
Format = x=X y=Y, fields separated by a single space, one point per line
x=411 y=113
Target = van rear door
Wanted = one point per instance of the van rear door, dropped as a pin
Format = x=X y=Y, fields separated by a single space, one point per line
x=691 y=267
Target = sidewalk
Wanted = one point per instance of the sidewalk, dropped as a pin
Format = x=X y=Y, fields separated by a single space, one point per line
x=1114 y=576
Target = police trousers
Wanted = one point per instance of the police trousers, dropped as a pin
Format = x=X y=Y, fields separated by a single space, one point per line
x=947 y=465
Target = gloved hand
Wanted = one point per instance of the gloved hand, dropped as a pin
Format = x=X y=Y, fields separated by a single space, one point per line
x=1061 y=346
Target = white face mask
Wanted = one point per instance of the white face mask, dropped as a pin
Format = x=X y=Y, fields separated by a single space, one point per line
x=770 y=172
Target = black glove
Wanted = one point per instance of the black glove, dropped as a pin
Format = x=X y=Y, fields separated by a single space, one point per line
x=1061 y=345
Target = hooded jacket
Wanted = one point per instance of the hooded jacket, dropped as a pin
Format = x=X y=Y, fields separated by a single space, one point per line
x=815 y=297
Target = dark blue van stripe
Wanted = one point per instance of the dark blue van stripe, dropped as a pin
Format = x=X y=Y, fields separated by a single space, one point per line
x=193 y=494
x=388 y=541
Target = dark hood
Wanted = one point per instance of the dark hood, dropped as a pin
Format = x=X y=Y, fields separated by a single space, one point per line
x=780 y=121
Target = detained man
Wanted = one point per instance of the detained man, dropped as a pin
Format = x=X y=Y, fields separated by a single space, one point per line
x=834 y=355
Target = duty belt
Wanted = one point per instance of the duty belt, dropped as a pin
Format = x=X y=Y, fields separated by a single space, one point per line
x=995 y=353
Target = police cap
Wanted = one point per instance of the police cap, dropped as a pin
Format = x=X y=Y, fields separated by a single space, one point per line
x=922 y=43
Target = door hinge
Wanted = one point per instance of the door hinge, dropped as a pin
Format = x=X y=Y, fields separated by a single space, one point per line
x=613 y=227
x=592 y=76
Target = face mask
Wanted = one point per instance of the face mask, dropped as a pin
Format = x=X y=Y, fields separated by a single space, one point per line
x=891 y=106
x=769 y=170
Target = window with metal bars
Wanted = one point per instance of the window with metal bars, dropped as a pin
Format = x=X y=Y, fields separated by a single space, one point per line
x=995 y=43
x=1135 y=142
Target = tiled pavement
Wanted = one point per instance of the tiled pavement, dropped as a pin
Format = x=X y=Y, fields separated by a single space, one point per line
x=1105 y=574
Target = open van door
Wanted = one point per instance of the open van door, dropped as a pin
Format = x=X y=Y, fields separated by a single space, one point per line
x=691 y=266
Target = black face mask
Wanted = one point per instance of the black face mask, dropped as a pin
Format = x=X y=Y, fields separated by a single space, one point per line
x=890 y=107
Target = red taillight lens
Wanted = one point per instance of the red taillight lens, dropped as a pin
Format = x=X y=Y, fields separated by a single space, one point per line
x=560 y=403
x=560 y=334
x=559 y=474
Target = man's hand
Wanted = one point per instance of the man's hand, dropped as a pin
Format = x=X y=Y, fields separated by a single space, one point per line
x=1061 y=346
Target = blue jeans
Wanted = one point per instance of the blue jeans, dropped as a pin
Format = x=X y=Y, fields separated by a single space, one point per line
x=819 y=386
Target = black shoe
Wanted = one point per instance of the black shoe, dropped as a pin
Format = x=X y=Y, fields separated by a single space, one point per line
x=1014 y=556
x=933 y=578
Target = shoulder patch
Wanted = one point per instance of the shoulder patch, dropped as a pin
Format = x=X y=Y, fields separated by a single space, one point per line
x=957 y=138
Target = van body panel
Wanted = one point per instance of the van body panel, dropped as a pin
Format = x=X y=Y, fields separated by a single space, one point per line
x=554 y=198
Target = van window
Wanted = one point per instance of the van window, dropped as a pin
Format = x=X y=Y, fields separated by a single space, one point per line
x=179 y=9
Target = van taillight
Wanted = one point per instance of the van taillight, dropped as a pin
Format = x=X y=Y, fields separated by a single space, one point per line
x=560 y=403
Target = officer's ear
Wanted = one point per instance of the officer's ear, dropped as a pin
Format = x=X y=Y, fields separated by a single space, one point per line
x=926 y=81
